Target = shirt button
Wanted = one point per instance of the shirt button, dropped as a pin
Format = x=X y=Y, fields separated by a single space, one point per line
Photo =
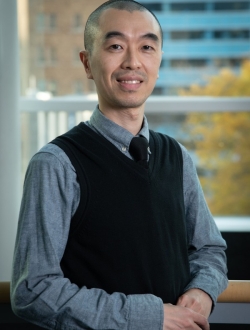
x=124 y=149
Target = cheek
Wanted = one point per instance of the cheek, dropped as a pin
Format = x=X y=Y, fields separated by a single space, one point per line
x=101 y=77
x=155 y=64
x=151 y=63
x=153 y=71
x=102 y=70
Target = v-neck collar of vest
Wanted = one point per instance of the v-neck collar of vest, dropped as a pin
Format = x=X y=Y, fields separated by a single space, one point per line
x=117 y=153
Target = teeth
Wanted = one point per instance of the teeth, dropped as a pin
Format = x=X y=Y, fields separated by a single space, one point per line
x=130 y=81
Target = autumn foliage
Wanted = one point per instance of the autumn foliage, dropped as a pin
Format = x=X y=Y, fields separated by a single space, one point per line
x=222 y=144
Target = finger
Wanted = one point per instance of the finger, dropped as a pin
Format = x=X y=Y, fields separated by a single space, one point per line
x=202 y=322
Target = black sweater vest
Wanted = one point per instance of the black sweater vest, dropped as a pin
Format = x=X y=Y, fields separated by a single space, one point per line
x=128 y=234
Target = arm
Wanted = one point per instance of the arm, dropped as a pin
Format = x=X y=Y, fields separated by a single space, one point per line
x=39 y=291
x=206 y=246
x=206 y=259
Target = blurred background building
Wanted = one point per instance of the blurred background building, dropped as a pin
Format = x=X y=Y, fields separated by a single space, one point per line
x=51 y=37
x=200 y=38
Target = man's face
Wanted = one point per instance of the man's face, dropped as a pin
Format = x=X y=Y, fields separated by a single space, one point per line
x=125 y=59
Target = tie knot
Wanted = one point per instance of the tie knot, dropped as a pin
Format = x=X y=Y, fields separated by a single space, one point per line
x=138 y=149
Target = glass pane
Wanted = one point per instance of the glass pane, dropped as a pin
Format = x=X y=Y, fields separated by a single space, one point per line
x=200 y=38
x=206 y=53
x=51 y=37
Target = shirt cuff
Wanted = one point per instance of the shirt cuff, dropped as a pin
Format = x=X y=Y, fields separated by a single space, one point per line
x=211 y=285
x=146 y=312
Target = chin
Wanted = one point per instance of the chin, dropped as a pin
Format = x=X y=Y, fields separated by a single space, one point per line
x=131 y=102
x=130 y=105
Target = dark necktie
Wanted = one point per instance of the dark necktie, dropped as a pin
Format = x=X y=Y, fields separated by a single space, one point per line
x=138 y=149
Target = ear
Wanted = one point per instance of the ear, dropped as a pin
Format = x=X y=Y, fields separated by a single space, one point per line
x=84 y=56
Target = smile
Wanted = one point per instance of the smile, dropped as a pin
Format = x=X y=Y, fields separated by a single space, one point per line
x=130 y=81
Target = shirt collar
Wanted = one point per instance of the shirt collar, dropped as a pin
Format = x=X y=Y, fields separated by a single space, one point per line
x=113 y=132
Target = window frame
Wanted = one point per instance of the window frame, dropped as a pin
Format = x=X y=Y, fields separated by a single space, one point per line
x=154 y=104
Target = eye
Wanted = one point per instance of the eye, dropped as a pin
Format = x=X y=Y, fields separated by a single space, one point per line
x=116 y=47
x=147 y=47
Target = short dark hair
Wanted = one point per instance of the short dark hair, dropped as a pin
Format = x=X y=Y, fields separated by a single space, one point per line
x=93 y=20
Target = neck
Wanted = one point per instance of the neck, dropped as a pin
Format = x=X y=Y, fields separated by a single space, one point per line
x=130 y=119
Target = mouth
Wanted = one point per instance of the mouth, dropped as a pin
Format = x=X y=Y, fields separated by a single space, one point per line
x=133 y=82
x=129 y=84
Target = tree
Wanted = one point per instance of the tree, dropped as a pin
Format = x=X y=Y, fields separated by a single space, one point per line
x=222 y=144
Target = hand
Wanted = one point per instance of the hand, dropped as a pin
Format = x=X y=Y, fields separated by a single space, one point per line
x=197 y=300
x=178 y=317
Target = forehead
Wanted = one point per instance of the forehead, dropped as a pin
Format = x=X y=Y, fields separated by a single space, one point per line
x=133 y=23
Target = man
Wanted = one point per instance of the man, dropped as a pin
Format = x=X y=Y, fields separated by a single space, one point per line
x=105 y=242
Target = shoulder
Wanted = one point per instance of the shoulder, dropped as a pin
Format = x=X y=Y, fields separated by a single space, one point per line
x=191 y=183
x=50 y=163
x=188 y=161
x=52 y=155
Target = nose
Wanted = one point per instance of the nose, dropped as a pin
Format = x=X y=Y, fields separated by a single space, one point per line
x=131 y=60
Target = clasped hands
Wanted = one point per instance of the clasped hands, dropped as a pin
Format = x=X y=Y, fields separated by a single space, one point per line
x=190 y=313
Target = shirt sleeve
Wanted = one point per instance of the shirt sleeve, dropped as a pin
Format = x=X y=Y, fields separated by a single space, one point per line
x=39 y=292
x=207 y=257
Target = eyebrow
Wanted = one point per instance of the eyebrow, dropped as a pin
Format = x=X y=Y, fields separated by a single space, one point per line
x=112 y=34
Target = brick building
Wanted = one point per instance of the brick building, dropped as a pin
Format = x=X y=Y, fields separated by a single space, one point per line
x=51 y=36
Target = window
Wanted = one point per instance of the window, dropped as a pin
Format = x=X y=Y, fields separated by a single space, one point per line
x=189 y=63
x=234 y=5
x=51 y=22
x=41 y=58
x=185 y=35
x=46 y=57
x=77 y=23
x=231 y=34
x=187 y=69
x=220 y=34
x=40 y=22
x=46 y=22
x=188 y=6
x=41 y=121
x=157 y=6
x=239 y=34
x=228 y=62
